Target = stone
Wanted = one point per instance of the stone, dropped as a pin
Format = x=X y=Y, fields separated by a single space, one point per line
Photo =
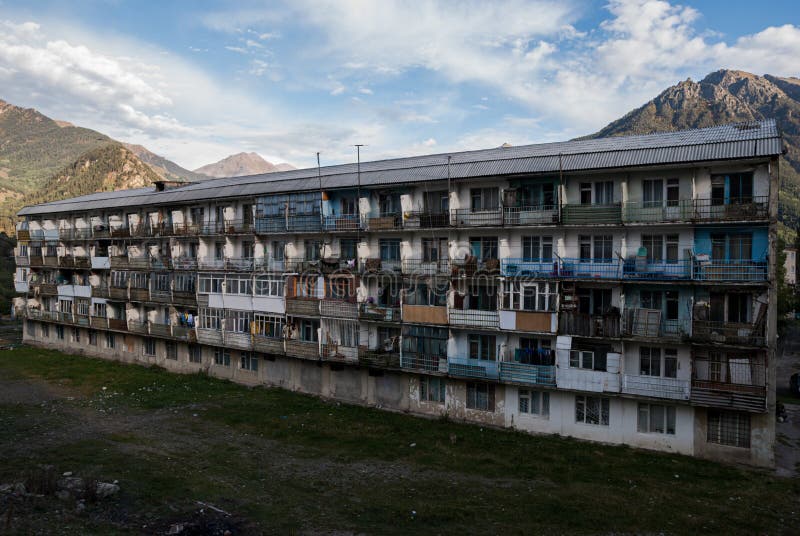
x=63 y=495
x=67 y=473
x=106 y=489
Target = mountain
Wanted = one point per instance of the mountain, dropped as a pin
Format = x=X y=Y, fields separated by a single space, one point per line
x=727 y=96
x=166 y=169
x=241 y=164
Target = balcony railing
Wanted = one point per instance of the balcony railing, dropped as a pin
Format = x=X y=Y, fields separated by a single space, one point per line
x=466 y=217
x=744 y=209
x=729 y=332
x=586 y=325
x=574 y=268
x=464 y=367
x=650 y=323
x=336 y=308
x=302 y=306
x=426 y=267
x=525 y=374
x=268 y=345
x=232 y=226
x=99 y=322
x=343 y=222
x=474 y=318
x=730 y=270
x=378 y=358
x=385 y=222
x=75 y=234
x=517 y=267
x=655 y=386
x=736 y=383
x=530 y=215
x=425 y=362
x=426 y=220
x=304 y=349
x=337 y=352
x=641 y=268
x=379 y=313
x=184 y=263
x=100 y=291
x=22 y=260
x=592 y=214
x=473 y=266
x=381 y=265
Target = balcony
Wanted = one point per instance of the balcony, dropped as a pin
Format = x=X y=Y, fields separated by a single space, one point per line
x=160 y=296
x=426 y=220
x=210 y=336
x=658 y=211
x=538 y=269
x=474 y=267
x=574 y=268
x=75 y=234
x=736 y=383
x=120 y=232
x=378 y=358
x=425 y=314
x=22 y=260
x=424 y=362
x=337 y=352
x=118 y=293
x=139 y=263
x=21 y=287
x=118 y=324
x=420 y=267
x=185 y=229
x=378 y=313
x=48 y=289
x=268 y=345
x=466 y=217
x=525 y=374
x=531 y=321
x=227 y=227
x=119 y=262
x=586 y=325
x=744 y=209
x=50 y=261
x=135 y=326
x=381 y=265
x=463 y=367
x=385 y=222
x=36 y=261
x=650 y=323
x=530 y=215
x=474 y=318
x=185 y=298
x=302 y=306
x=336 y=308
x=139 y=294
x=237 y=339
x=99 y=322
x=655 y=387
x=729 y=270
x=306 y=223
x=592 y=214
x=342 y=222
x=595 y=381
x=302 y=349
x=184 y=333
x=735 y=333
x=184 y=263
x=647 y=270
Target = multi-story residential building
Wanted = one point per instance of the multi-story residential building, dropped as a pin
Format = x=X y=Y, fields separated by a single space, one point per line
x=618 y=290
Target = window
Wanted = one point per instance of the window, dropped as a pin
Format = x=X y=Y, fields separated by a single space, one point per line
x=670 y=363
x=483 y=347
x=597 y=248
x=348 y=248
x=269 y=285
x=592 y=410
x=424 y=293
x=534 y=402
x=76 y=335
x=349 y=206
x=671 y=248
x=308 y=330
x=649 y=361
x=740 y=246
x=586 y=193
x=60 y=332
x=729 y=428
x=185 y=283
x=247 y=215
x=161 y=282
x=248 y=361
x=268 y=325
x=537 y=248
x=739 y=308
x=240 y=321
x=219 y=250
x=530 y=296
x=484 y=247
x=654 y=244
x=484 y=199
x=222 y=357
x=312 y=249
x=30 y=327
x=652 y=192
x=437 y=202
x=211 y=283
x=434 y=249
x=480 y=396
x=119 y=279
x=278 y=250
x=100 y=310
x=389 y=204
x=673 y=192
x=389 y=249
x=425 y=340
x=656 y=419
x=604 y=193
x=432 y=389
x=149 y=347
x=46 y=330
x=582 y=359
x=111 y=341
x=92 y=337
x=82 y=306
x=211 y=318
x=239 y=284
x=195 y=354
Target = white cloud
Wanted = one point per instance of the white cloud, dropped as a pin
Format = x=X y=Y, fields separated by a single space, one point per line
x=238 y=50
x=258 y=68
x=365 y=91
x=430 y=142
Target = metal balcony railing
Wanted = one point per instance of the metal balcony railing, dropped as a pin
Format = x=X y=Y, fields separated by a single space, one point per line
x=337 y=308
x=730 y=270
x=473 y=266
x=530 y=215
x=642 y=268
x=526 y=374
x=659 y=211
x=425 y=362
x=424 y=267
x=473 y=318
x=466 y=217
x=378 y=358
x=591 y=214
x=379 y=313
x=655 y=386
x=75 y=234
x=343 y=222
x=380 y=265
x=586 y=325
x=729 y=332
x=425 y=220
x=539 y=269
x=650 y=323
x=736 y=383
x=385 y=222
x=734 y=209
x=574 y=268
x=232 y=226
x=21 y=260
x=464 y=367
x=184 y=263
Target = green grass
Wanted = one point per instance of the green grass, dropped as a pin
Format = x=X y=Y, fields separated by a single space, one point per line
x=285 y=460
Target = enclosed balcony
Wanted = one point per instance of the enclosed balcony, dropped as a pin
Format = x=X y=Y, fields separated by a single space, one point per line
x=655 y=386
x=588 y=325
x=732 y=380
x=530 y=215
x=336 y=308
x=585 y=214
x=474 y=318
x=467 y=217
x=464 y=367
x=735 y=333
x=472 y=266
x=527 y=374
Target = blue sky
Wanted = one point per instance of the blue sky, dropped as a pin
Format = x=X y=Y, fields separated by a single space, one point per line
x=196 y=81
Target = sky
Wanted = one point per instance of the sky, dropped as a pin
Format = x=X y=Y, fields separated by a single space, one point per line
x=195 y=81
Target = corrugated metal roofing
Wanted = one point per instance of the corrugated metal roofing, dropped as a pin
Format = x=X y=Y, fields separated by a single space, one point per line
x=741 y=140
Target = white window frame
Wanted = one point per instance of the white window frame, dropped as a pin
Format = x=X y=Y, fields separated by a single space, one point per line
x=533 y=402
x=149 y=347
x=593 y=410
x=269 y=285
x=655 y=419
x=544 y=294
x=432 y=389
x=579 y=358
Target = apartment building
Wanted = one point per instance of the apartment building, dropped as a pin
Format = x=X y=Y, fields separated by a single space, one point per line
x=618 y=290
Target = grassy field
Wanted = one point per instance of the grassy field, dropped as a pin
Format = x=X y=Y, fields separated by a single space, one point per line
x=282 y=462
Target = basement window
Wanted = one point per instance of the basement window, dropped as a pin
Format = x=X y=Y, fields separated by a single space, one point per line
x=730 y=428
x=592 y=410
x=432 y=389
x=656 y=419
x=480 y=396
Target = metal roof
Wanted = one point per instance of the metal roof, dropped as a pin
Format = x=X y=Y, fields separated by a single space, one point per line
x=734 y=141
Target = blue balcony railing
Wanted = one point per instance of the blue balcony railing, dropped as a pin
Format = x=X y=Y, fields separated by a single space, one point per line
x=518 y=267
x=464 y=367
x=642 y=268
x=574 y=268
x=729 y=270
x=528 y=374
x=342 y=222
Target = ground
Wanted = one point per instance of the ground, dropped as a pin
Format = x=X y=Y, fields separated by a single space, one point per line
x=215 y=456
x=787 y=434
